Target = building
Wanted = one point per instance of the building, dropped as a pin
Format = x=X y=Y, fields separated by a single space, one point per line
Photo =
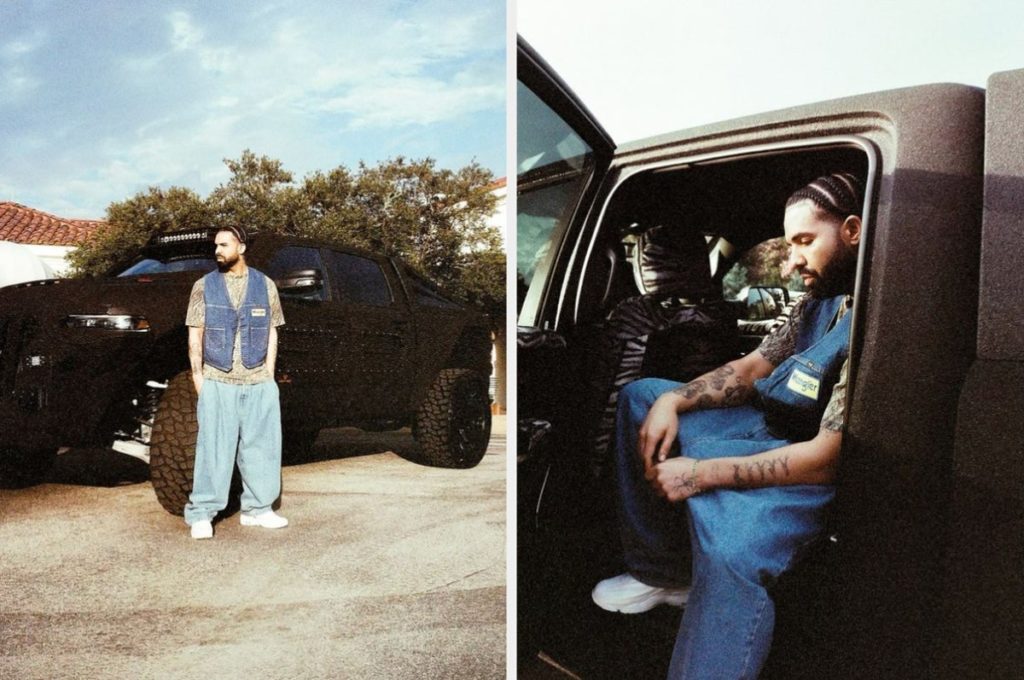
x=35 y=244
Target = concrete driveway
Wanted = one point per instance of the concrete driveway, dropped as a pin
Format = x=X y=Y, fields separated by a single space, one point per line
x=389 y=570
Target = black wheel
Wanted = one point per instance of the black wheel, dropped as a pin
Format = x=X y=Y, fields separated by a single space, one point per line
x=20 y=468
x=172 y=445
x=453 y=424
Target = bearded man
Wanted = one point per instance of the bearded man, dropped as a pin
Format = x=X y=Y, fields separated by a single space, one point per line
x=233 y=315
x=745 y=454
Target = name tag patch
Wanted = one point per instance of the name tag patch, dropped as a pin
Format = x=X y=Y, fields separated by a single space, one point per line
x=804 y=384
x=259 y=311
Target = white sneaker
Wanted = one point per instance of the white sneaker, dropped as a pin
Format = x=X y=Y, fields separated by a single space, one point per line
x=202 y=529
x=625 y=594
x=267 y=520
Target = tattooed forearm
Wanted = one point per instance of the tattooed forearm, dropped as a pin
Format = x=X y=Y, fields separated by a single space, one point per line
x=737 y=394
x=692 y=389
x=722 y=387
x=760 y=472
x=719 y=376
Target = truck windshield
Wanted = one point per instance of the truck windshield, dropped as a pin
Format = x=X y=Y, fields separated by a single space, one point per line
x=150 y=265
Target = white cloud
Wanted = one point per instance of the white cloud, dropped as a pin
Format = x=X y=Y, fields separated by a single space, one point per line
x=17 y=83
x=420 y=101
x=184 y=34
x=26 y=44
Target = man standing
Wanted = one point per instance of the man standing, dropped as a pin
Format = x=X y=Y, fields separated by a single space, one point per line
x=233 y=315
x=758 y=441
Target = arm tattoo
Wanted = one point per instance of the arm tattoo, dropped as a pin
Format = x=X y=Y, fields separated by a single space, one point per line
x=721 y=387
x=691 y=390
x=719 y=377
x=760 y=472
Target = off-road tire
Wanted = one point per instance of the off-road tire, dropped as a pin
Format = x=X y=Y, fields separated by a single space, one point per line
x=172 y=446
x=21 y=468
x=453 y=424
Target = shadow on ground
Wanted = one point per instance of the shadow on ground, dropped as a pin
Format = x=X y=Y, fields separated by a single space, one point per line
x=107 y=468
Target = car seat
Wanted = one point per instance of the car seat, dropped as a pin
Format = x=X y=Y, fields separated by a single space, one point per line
x=679 y=327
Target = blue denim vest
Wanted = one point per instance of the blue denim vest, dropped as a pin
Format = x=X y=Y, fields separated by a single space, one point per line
x=251 y=321
x=794 y=396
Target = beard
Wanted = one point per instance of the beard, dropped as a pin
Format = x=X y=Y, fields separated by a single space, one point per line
x=225 y=263
x=836 y=277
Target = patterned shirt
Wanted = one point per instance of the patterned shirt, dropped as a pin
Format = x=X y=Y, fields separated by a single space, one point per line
x=780 y=344
x=196 y=317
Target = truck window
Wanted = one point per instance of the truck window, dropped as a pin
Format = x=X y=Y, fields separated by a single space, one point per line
x=425 y=293
x=292 y=259
x=358 y=279
x=171 y=265
x=554 y=164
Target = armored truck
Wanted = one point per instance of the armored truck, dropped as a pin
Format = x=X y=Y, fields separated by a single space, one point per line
x=367 y=342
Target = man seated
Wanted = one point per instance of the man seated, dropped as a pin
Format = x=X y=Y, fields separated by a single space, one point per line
x=751 y=448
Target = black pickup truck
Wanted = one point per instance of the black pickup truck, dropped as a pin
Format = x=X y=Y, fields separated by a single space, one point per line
x=367 y=342
x=921 y=571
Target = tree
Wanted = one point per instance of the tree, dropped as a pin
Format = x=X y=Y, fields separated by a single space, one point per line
x=435 y=219
x=132 y=222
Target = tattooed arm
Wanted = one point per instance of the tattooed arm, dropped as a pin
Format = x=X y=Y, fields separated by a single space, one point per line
x=195 y=355
x=810 y=462
x=728 y=385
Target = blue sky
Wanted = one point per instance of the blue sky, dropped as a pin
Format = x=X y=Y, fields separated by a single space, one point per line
x=656 y=66
x=99 y=100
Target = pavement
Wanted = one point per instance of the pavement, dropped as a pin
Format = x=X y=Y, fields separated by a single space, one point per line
x=389 y=569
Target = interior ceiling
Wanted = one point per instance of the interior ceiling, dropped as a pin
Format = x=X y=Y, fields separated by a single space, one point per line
x=742 y=200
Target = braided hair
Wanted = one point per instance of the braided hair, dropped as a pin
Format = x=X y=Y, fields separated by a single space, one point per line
x=239 y=232
x=838 y=194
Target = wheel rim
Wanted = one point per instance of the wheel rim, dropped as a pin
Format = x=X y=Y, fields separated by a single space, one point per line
x=469 y=422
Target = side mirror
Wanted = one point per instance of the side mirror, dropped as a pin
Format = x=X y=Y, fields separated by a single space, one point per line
x=300 y=281
x=761 y=304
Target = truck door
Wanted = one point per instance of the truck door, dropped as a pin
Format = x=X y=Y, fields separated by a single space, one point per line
x=983 y=594
x=307 y=341
x=376 y=324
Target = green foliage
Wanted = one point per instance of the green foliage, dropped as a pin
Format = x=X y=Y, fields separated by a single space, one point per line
x=131 y=223
x=762 y=266
x=435 y=219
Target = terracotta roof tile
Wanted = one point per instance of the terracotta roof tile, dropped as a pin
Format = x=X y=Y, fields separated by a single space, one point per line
x=21 y=224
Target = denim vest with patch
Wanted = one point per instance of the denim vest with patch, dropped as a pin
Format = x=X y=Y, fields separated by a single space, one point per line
x=794 y=396
x=250 y=322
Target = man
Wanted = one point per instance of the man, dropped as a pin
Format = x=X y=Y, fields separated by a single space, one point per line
x=758 y=441
x=233 y=315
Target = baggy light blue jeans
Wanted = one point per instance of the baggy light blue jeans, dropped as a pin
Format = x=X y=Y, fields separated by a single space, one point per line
x=741 y=540
x=240 y=422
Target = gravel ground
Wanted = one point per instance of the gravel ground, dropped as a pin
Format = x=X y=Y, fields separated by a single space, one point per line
x=389 y=570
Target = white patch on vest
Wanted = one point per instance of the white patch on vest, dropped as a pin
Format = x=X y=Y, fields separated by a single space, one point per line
x=804 y=384
x=259 y=311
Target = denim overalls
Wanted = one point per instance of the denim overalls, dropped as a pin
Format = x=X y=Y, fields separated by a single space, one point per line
x=741 y=539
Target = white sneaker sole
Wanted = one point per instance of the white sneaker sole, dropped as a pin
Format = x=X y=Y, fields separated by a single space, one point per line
x=644 y=603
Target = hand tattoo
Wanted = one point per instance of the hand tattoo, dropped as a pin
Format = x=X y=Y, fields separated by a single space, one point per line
x=685 y=484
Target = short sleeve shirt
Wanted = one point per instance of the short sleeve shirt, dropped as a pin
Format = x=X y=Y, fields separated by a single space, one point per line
x=780 y=344
x=196 y=317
